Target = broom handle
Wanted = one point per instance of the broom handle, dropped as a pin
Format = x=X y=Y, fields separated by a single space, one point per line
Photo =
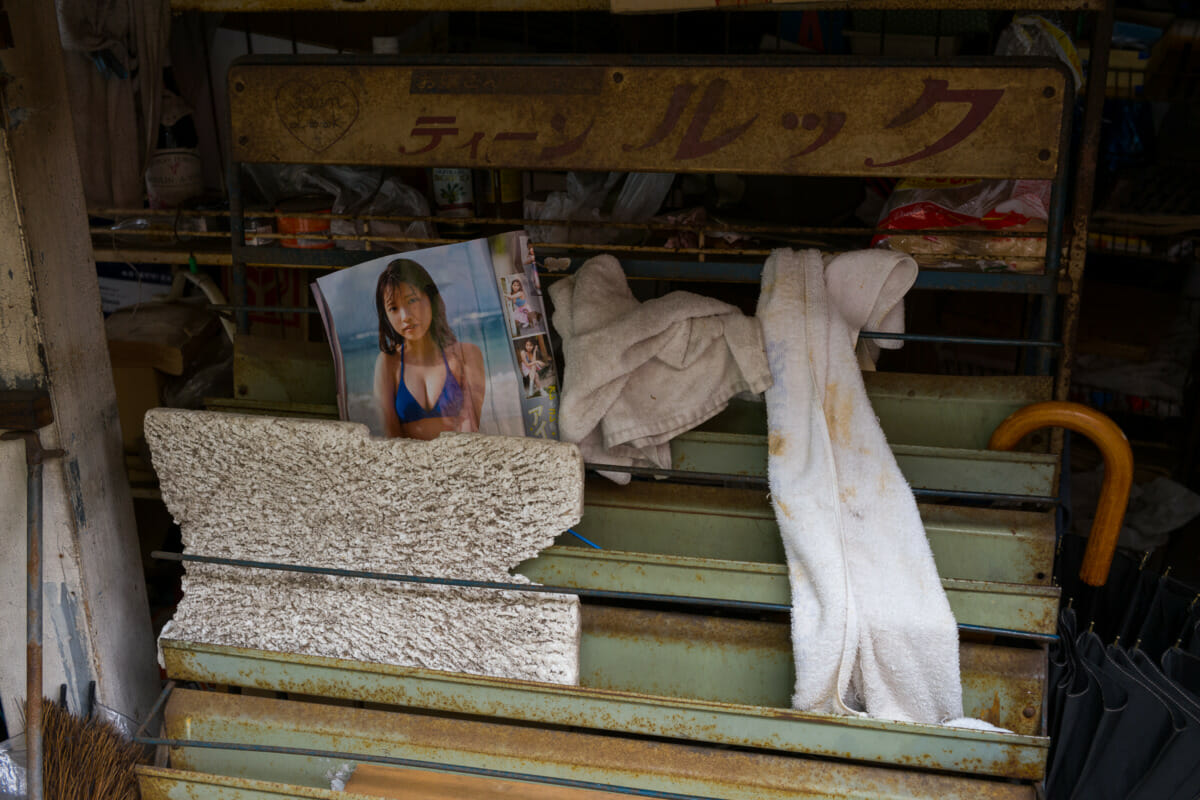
x=1118 y=471
x=33 y=630
x=22 y=414
x=35 y=456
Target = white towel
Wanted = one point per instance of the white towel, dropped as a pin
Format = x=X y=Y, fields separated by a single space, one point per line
x=639 y=374
x=872 y=630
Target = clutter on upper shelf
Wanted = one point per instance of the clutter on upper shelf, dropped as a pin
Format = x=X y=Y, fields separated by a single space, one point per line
x=359 y=191
x=1034 y=35
x=587 y=198
x=173 y=173
x=957 y=205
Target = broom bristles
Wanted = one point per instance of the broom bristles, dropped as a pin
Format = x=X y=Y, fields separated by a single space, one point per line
x=86 y=759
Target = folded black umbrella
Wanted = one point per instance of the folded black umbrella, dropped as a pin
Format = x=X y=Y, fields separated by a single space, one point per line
x=1112 y=599
x=1176 y=770
x=1163 y=624
x=1060 y=673
x=1103 y=607
x=1138 y=606
x=1074 y=717
x=1133 y=728
x=1068 y=557
x=1183 y=668
x=1124 y=720
x=1188 y=702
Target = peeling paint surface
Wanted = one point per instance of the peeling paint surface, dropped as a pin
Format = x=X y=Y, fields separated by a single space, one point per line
x=22 y=358
x=63 y=619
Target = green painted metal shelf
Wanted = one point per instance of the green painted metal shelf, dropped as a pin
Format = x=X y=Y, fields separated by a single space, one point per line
x=642 y=672
x=390 y=732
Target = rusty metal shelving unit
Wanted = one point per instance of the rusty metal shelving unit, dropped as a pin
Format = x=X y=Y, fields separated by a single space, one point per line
x=1068 y=214
x=625 y=649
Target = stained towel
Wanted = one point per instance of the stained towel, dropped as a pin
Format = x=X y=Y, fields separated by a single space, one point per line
x=639 y=374
x=872 y=630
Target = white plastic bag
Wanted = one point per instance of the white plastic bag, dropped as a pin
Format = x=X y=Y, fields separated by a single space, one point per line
x=12 y=768
x=394 y=198
x=639 y=198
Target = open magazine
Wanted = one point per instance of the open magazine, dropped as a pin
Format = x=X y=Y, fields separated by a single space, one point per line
x=451 y=338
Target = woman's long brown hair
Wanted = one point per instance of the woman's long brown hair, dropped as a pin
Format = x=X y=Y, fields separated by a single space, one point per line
x=400 y=271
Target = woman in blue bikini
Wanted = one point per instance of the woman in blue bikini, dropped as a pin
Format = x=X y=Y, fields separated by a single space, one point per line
x=426 y=381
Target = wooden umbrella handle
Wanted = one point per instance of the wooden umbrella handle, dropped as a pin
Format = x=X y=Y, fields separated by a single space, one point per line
x=1118 y=471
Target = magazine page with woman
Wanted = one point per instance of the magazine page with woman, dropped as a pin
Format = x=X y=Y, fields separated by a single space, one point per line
x=433 y=341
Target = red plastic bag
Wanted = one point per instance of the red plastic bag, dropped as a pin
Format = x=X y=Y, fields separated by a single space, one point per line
x=969 y=204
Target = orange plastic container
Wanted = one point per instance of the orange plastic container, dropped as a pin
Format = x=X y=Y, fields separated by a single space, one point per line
x=301 y=225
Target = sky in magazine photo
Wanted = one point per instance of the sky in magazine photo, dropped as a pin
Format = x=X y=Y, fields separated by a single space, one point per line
x=464 y=276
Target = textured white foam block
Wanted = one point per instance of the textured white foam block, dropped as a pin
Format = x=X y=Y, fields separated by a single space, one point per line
x=325 y=494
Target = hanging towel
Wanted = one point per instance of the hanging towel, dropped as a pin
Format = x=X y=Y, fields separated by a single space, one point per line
x=639 y=374
x=872 y=630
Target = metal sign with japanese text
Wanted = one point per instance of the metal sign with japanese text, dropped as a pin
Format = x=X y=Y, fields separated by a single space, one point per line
x=932 y=121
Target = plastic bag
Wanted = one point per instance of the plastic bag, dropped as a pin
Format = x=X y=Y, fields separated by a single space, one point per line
x=969 y=204
x=12 y=768
x=355 y=190
x=638 y=199
x=582 y=200
x=396 y=198
x=642 y=195
x=1032 y=35
x=124 y=725
x=350 y=187
x=338 y=776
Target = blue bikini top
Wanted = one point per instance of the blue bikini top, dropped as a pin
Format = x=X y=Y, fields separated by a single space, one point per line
x=449 y=402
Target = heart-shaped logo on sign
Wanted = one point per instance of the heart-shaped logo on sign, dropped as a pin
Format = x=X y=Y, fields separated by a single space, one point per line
x=317 y=115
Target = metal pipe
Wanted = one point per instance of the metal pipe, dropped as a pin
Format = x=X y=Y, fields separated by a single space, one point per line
x=412 y=763
x=598 y=594
x=237 y=236
x=35 y=456
x=602 y=594
x=33 y=624
x=158 y=704
x=1085 y=185
x=760 y=481
x=907 y=337
x=1028 y=635
x=266 y=309
x=991 y=497
x=520 y=222
x=985 y=340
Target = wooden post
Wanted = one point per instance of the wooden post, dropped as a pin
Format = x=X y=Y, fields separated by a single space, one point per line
x=97 y=625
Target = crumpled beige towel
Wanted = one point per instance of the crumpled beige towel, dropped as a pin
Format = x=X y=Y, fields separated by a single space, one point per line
x=639 y=374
